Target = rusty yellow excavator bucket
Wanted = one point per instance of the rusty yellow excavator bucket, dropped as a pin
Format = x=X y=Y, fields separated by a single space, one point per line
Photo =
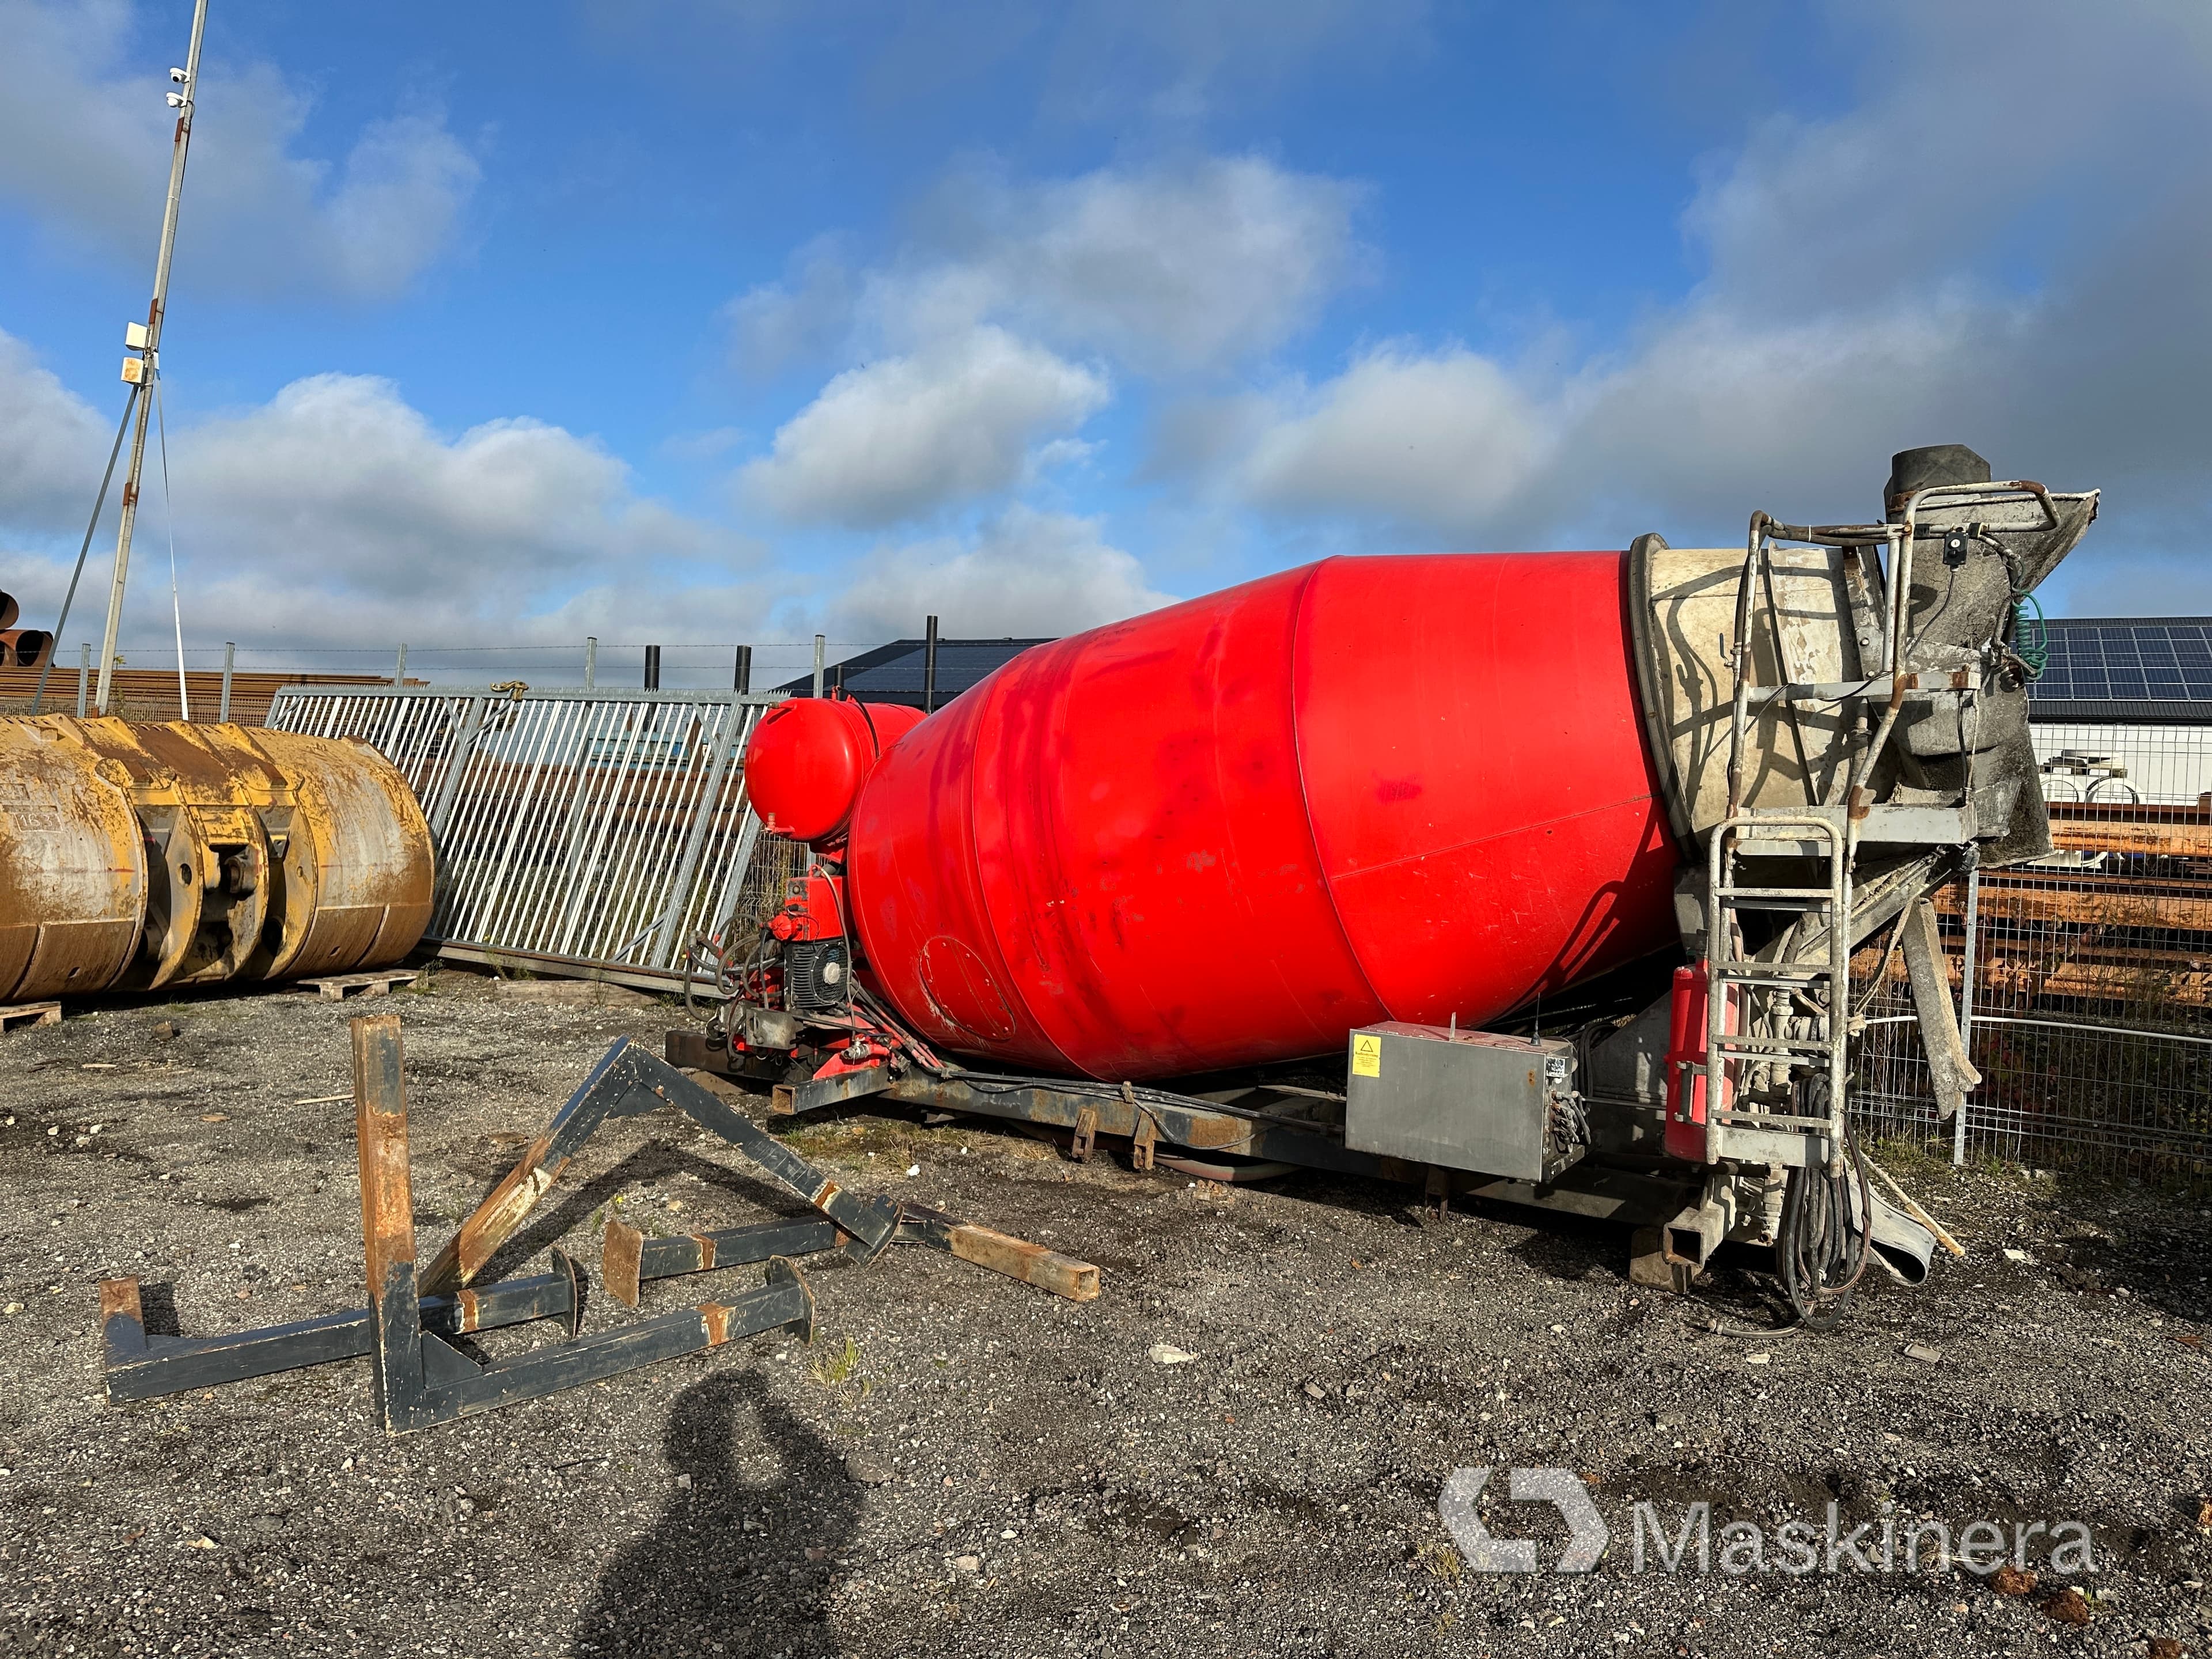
x=139 y=855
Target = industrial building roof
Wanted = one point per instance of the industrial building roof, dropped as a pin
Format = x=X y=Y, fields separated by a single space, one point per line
x=892 y=673
x=2134 y=671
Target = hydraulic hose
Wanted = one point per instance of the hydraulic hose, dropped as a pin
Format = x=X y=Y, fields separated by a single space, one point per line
x=1820 y=1250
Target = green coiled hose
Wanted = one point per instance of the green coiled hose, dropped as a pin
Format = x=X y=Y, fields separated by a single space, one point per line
x=2033 y=649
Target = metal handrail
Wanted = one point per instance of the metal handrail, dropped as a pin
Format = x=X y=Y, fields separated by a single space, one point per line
x=506 y=692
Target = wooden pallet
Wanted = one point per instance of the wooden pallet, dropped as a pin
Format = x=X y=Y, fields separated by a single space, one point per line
x=31 y=1014
x=337 y=988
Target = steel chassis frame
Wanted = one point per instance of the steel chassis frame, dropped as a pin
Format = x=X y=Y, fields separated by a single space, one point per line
x=1653 y=1196
x=1158 y=1123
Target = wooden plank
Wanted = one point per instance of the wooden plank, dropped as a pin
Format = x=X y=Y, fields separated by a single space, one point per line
x=1033 y=1264
x=335 y=987
x=2129 y=812
x=150 y=694
x=2171 y=840
x=2087 y=903
x=2094 y=966
x=30 y=1014
x=2092 y=981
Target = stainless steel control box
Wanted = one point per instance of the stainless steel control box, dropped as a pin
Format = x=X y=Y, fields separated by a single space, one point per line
x=1469 y=1100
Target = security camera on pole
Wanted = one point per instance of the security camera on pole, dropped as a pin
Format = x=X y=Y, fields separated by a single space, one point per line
x=144 y=342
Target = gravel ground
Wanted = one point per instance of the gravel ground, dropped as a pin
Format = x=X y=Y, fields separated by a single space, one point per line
x=961 y=1464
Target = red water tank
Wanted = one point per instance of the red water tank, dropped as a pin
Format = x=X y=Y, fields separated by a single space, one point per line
x=1229 y=831
x=807 y=758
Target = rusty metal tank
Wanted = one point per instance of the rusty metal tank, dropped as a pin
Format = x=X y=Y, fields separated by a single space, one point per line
x=72 y=867
x=134 y=856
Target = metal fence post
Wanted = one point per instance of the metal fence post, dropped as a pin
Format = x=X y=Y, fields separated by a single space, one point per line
x=83 y=678
x=591 y=661
x=464 y=748
x=675 y=906
x=821 y=659
x=742 y=679
x=652 y=668
x=1966 y=1005
x=400 y=672
x=929 y=666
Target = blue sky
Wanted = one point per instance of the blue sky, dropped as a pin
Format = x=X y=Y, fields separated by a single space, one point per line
x=706 y=323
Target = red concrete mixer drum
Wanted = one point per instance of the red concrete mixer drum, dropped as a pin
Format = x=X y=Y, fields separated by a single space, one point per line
x=1227 y=832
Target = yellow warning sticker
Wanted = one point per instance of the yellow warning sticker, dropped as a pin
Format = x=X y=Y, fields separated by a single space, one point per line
x=1366 y=1054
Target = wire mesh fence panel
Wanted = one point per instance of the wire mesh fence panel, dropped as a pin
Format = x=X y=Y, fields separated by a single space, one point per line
x=1892 y=1095
x=601 y=828
x=776 y=864
x=2089 y=1002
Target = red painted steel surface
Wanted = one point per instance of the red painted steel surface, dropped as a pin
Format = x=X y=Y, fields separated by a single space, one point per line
x=1229 y=831
x=807 y=758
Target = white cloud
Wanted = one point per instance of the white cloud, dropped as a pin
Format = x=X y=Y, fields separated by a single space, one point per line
x=969 y=339
x=1026 y=575
x=52 y=443
x=1451 y=430
x=1950 y=261
x=1175 y=269
x=342 y=465
x=898 y=438
x=395 y=208
x=336 y=513
x=85 y=143
x=806 y=317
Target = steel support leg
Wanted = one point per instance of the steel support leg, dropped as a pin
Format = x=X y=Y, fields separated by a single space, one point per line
x=421 y=1378
x=628 y=1258
x=140 y=1367
x=628 y=1078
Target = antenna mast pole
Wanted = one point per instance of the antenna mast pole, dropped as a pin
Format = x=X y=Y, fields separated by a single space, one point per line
x=141 y=370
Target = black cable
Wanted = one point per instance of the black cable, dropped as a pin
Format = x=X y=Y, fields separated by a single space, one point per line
x=1819 y=1251
x=99 y=501
x=1713 y=1325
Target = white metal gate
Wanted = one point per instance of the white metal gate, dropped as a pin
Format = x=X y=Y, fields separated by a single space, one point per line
x=601 y=830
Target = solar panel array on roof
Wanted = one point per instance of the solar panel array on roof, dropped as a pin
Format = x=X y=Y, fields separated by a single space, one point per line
x=2161 y=666
x=893 y=673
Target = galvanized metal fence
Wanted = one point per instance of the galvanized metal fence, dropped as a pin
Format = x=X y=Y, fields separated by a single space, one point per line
x=595 y=830
x=2084 y=980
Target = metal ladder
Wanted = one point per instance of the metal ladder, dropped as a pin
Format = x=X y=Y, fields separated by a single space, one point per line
x=1803 y=991
x=1806 y=991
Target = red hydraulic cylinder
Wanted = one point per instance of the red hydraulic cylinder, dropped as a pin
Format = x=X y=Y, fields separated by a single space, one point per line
x=1229 y=831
